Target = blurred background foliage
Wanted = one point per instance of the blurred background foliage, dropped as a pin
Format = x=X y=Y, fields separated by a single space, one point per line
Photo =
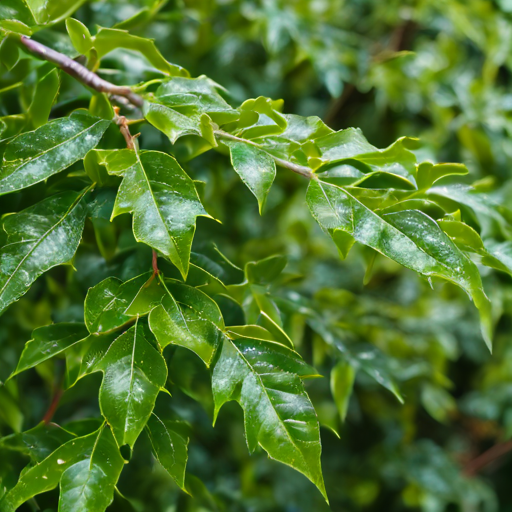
x=439 y=70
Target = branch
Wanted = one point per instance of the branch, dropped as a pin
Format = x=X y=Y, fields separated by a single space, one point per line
x=125 y=94
x=493 y=453
x=81 y=73
x=298 y=169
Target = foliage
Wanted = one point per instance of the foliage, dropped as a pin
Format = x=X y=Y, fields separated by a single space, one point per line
x=151 y=294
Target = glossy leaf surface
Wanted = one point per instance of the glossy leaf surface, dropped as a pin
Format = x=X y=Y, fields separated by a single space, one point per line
x=34 y=156
x=163 y=200
x=39 y=238
x=169 y=447
x=134 y=372
x=265 y=379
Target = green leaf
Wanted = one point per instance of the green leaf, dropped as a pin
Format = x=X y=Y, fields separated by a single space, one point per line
x=45 y=94
x=265 y=379
x=39 y=238
x=88 y=485
x=47 y=342
x=266 y=270
x=79 y=35
x=408 y=237
x=17 y=10
x=82 y=358
x=342 y=382
x=34 y=156
x=109 y=39
x=169 y=447
x=350 y=146
x=171 y=122
x=198 y=96
x=427 y=173
x=256 y=168
x=45 y=475
x=134 y=373
x=38 y=442
x=189 y=318
x=107 y=302
x=163 y=200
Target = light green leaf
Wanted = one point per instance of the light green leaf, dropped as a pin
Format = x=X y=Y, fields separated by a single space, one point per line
x=169 y=447
x=163 y=200
x=47 y=342
x=265 y=379
x=34 y=156
x=342 y=382
x=45 y=94
x=189 y=318
x=45 y=475
x=427 y=173
x=408 y=237
x=169 y=121
x=134 y=372
x=350 y=146
x=17 y=10
x=88 y=485
x=107 y=302
x=196 y=95
x=39 y=238
x=79 y=35
x=109 y=39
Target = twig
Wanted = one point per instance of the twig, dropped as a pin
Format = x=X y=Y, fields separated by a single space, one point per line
x=53 y=406
x=125 y=94
x=81 y=73
x=298 y=169
x=124 y=128
x=493 y=453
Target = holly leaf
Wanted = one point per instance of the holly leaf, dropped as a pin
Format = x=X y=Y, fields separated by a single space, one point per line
x=169 y=447
x=88 y=485
x=163 y=200
x=134 y=373
x=265 y=379
x=39 y=238
x=408 y=237
x=35 y=156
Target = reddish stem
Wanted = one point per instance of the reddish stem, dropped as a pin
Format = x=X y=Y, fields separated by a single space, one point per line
x=493 y=453
x=53 y=406
x=155 y=263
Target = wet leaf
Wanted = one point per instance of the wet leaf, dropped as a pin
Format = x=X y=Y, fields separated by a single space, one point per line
x=39 y=238
x=134 y=372
x=34 y=156
x=265 y=379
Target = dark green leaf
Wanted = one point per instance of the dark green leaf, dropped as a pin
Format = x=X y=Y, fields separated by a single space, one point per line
x=49 y=341
x=169 y=446
x=39 y=238
x=265 y=379
x=88 y=485
x=34 y=156
x=134 y=373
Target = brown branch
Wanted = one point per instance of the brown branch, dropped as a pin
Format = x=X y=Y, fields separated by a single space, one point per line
x=298 y=169
x=486 y=458
x=81 y=73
